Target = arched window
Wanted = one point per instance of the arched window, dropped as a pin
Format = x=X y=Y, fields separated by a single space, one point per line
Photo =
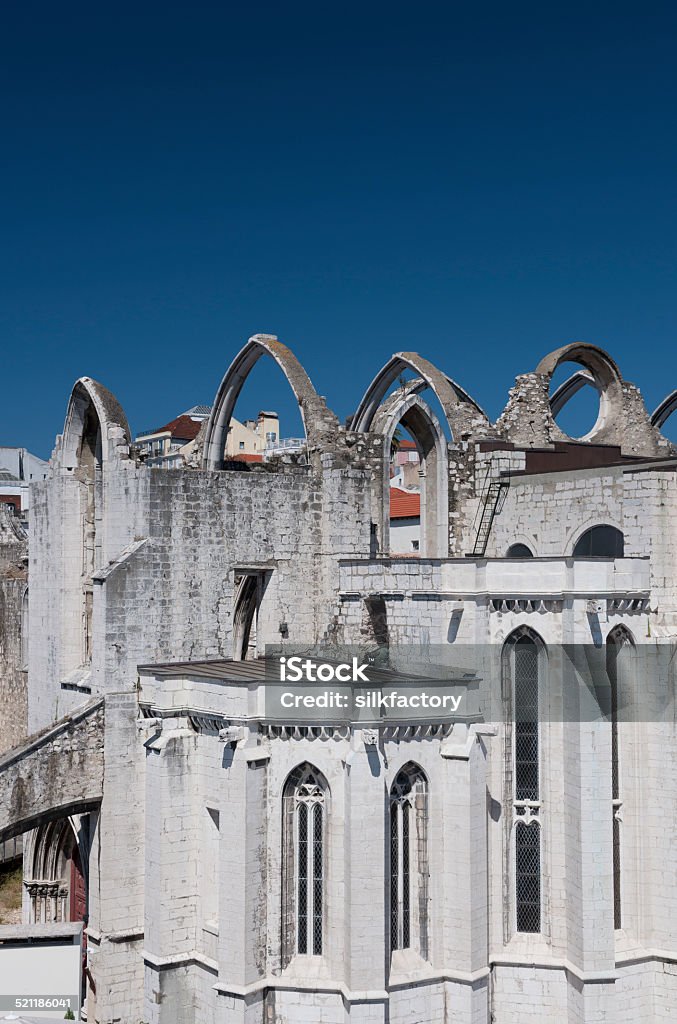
x=303 y=862
x=523 y=660
x=619 y=648
x=600 y=542
x=519 y=551
x=409 y=861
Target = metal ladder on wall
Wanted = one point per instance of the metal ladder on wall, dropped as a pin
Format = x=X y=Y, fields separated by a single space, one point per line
x=494 y=491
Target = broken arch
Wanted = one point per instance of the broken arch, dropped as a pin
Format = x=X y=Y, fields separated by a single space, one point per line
x=599 y=370
x=463 y=414
x=664 y=411
x=318 y=420
x=95 y=427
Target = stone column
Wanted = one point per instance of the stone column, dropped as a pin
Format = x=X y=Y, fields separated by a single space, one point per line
x=243 y=861
x=172 y=853
x=462 y=924
x=580 y=859
x=366 y=847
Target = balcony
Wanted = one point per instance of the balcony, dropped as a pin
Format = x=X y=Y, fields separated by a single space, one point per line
x=498 y=578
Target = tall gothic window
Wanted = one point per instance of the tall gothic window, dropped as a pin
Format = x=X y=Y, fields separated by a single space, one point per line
x=303 y=862
x=618 y=647
x=409 y=861
x=524 y=655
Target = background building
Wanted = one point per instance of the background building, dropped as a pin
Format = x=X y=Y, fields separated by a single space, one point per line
x=174 y=445
x=405 y=521
x=168 y=446
x=18 y=468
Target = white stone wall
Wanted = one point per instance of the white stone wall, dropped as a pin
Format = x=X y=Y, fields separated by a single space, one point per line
x=185 y=923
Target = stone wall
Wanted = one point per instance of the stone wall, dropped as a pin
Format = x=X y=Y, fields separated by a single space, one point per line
x=13 y=654
x=57 y=773
x=131 y=565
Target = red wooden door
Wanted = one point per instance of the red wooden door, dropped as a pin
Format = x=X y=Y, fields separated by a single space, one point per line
x=78 y=893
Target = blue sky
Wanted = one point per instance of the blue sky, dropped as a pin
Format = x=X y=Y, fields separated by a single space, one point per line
x=478 y=183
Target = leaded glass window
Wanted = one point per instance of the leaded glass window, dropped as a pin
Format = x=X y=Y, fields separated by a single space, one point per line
x=618 y=649
x=525 y=670
x=409 y=861
x=303 y=862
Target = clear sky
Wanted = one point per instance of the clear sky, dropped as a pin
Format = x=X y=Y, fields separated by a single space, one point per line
x=480 y=183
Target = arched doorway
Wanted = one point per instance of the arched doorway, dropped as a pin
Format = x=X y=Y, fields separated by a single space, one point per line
x=55 y=880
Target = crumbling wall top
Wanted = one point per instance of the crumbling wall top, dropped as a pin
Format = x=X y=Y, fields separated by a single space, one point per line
x=88 y=398
x=529 y=417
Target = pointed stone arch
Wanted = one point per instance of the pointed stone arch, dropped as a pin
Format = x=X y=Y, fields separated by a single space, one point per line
x=419 y=419
x=664 y=411
x=318 y=420
x=95 y=432
x=523 y=685
x=462 y=413
x=55 y=860
x=305 y=807
x=621 y=697
x=96 y=427
x=570 y=387
x=409 y=868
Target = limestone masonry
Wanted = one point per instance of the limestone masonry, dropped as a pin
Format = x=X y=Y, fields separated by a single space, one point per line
x=236 y=869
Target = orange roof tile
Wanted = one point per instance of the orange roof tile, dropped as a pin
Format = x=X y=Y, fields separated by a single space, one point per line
x=404 y=504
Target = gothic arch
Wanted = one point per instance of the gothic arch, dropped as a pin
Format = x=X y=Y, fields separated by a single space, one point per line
x=409 y=869
x=54 y=862
x=622 y=420
x=318 y=420
x=302 y=771
x=96 y=430
x=305 y=797
x=419 y=419
x=621 y=676
x=570 y=387
x=620 y=634
x=463 y=415
x=523 y=671
x=665 y=410
x=412 y=769
x=96 y=427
